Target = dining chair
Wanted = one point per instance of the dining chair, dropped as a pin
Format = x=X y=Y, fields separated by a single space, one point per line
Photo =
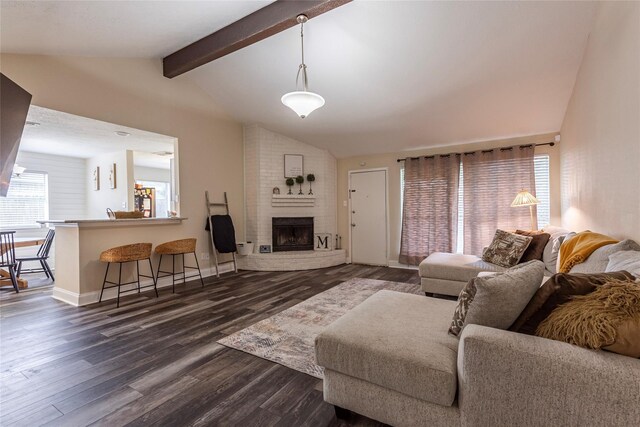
x=42 y=256
x=8 y=256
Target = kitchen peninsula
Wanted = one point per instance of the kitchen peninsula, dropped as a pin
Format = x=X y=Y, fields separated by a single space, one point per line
x=78 y=245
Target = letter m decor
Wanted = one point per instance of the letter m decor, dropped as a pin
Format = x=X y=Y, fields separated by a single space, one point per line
x=322 y=242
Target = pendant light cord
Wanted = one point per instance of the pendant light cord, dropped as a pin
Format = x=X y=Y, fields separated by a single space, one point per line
x=302 y=66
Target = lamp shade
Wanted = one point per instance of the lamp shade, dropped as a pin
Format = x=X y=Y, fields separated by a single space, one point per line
x=524 y=198
x=302 y=102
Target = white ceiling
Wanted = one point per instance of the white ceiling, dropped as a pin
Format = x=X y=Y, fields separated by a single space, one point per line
x=395 y=75
x=141 y=28
x=69 y=135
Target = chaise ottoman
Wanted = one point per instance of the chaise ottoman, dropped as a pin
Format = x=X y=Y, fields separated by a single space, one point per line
x=446 y=274
x=394 y=350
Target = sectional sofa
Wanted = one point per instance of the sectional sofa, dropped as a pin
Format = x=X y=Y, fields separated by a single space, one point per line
x=391 y=359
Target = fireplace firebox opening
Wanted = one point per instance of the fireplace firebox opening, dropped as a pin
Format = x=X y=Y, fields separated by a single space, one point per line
x=292 y=234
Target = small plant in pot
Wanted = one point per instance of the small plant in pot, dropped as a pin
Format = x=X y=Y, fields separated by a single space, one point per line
x=300 y=180
x=290 y=183
x=310 y=178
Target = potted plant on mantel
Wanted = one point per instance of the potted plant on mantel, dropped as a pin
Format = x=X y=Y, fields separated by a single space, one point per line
x=289 y=183
x=310 y=178
x=300 y=180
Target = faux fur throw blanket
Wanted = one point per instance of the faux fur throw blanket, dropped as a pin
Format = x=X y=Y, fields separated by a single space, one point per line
x=579 y=247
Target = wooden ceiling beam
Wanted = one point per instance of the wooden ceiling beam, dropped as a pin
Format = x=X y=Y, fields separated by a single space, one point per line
x=259 y=25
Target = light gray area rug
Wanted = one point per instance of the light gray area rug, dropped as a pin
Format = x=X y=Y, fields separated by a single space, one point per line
x=288 y=337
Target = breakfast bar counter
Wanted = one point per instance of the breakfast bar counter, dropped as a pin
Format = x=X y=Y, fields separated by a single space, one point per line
x=78 y=244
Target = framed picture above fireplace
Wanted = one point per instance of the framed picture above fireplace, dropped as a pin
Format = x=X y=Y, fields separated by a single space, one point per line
x=293 y=165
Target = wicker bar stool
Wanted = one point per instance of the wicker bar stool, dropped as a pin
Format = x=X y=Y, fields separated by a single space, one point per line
x=173 y=248
x=122 y=254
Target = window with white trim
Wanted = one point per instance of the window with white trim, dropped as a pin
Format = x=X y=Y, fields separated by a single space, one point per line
x=543 y=194
x=27 y=201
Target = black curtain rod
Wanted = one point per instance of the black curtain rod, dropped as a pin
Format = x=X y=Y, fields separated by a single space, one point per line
x=482 y=151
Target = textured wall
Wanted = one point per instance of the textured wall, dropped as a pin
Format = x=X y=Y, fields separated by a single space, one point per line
x=600 y=149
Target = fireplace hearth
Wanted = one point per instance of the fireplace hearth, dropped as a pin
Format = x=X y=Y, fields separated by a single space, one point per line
x=292 y=234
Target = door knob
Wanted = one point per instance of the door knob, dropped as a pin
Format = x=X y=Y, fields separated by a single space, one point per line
x=353 y=225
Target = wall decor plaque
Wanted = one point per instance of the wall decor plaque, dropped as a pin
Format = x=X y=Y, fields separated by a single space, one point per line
x=293 y=165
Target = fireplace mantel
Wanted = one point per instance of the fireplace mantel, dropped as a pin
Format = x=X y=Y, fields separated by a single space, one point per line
x=294 y=200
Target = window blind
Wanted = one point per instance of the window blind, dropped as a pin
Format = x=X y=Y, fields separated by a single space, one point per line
x=26 y=201
x=543 y=191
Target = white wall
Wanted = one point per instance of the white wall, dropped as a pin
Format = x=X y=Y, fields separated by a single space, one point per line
x=117 y=199
x=142 y=173
x=600 y=148
x=67 y=183
x=264 y=170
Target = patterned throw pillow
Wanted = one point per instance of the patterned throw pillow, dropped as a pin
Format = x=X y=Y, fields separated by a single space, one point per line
x=506 y=249
x=464 y=301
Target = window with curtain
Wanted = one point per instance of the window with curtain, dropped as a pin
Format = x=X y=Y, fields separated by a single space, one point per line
x=542 y=192
x=430 y=207
x=26 y=201
x=492 y=178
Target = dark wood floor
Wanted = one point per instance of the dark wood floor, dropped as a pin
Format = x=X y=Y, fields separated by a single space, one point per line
x=155 y=361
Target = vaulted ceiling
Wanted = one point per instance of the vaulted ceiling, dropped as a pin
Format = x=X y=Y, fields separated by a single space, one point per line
x=395 y=75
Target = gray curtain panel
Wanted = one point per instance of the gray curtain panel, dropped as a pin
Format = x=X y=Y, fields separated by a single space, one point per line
x=491 y=180
x=430 y=213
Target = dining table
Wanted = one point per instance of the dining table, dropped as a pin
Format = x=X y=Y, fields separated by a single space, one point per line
x=19 y=242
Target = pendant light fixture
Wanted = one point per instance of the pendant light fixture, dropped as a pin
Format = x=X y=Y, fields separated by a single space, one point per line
x=302 y=101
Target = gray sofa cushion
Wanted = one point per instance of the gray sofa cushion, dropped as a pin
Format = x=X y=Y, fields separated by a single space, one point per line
x=397 y=341
x=456 y=267
x=599 y=259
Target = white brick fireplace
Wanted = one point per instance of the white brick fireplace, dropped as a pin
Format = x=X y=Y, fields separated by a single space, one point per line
x=264 y=169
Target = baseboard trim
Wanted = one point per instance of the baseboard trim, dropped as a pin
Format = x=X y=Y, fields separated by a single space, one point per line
x=64 y=295
x=87 y=298
x=396 y=264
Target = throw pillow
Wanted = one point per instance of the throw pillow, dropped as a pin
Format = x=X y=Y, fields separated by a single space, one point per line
x=552 y=249
x=506 y=249
x=627 y=341
x=599 y=259
x=464 y=301
x=625 y=260
x=535 y=249
x=500 y=299
x=558 y=290
x=606 y=318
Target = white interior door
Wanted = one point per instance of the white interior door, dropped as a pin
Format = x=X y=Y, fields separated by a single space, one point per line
x=368 y=191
